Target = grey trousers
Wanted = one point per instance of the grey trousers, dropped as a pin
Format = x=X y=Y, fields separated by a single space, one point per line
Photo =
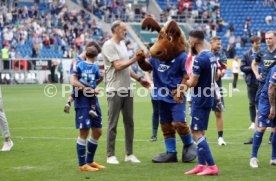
x=116 y=104
x=3 y=120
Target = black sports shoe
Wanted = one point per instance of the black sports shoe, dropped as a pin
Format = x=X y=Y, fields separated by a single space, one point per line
x=165 y=158
x=153 y=139
x=249 y=142
x=270 y=140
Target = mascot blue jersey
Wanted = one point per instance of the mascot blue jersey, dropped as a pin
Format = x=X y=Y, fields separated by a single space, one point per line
x=167 y=75
x=87 y=74
x=205 y=67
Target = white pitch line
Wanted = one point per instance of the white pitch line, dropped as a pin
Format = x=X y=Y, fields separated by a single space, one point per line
x=122 y=140
x=119 y=127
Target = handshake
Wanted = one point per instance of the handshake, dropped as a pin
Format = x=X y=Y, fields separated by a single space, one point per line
x=140 y=55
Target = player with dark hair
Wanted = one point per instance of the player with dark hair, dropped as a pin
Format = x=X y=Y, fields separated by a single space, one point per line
x=85 y=78
x=202 y=82
x=79 y=59
x=250 y=80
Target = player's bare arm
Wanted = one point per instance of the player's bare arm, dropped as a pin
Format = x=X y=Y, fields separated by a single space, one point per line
x=272 y=97
x=120 y=64
x=254 y=67
x=140 y=79
x=80 y=86
x=100 y=80
x=192 y=82
x=179 y=93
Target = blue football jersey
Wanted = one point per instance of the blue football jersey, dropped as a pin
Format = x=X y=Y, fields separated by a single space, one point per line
x=271 y=78
x=166 y=76
x=88 y=74
x=205 y=66
x=266 y=59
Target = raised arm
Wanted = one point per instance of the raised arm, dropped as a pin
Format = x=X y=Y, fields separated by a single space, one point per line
x=122 y=64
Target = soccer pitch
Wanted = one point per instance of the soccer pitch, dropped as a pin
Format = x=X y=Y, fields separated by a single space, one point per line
x=45 y=140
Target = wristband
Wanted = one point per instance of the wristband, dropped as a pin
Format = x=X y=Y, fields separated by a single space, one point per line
x=139 y=78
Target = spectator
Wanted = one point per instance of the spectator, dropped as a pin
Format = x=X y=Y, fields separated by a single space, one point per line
x=268 y=19
x=235 y=72
x=60 y=71
x=250 y=79
x=5 y=57
x=231 y=52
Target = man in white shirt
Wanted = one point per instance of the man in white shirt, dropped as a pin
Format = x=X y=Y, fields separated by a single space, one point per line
x=119 y=92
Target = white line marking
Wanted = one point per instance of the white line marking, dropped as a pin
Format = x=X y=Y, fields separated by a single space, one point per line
x=119 y=127
x=122 y=140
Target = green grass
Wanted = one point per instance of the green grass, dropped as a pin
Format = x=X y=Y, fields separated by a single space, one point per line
x=45 y=139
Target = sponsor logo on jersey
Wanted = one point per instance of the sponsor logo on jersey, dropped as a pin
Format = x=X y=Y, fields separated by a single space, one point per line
x=163 y=68
x=213 y=59
x=267 y=63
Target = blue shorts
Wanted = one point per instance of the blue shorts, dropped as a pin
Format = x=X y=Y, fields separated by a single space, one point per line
x=172 y=112
x=258 y=94
x=263 y=112
x=200 y=118
x=84 y=120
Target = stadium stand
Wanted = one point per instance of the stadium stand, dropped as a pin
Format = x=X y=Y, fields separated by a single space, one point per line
x=225 y=18
x=47 y=30
x=110 y=10
x=235 y=21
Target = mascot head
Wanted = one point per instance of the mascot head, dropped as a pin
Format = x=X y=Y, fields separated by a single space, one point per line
x=171 y=39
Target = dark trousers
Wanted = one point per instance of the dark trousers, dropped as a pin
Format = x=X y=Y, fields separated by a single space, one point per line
x=155 y=117
x=251 y=93
x=7 y=65
x=236 y=75
x=61 y=78
x=117 y=104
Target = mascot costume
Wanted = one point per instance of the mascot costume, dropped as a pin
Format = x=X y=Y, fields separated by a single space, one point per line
x=167 y=62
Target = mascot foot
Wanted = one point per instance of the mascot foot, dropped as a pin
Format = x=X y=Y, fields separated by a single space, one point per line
x=165 y=158
x=189 y=153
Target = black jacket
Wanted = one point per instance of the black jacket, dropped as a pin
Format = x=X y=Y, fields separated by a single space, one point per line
x=245 y=67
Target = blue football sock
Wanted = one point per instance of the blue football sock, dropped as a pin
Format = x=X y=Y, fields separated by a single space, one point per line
x=200 y=157
x=273 y=146
x=81 y=151
x=170 y=145
x=187 y=140
x=204 y=149
x=220 y=134
x=257 y=140
x=91 y=150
